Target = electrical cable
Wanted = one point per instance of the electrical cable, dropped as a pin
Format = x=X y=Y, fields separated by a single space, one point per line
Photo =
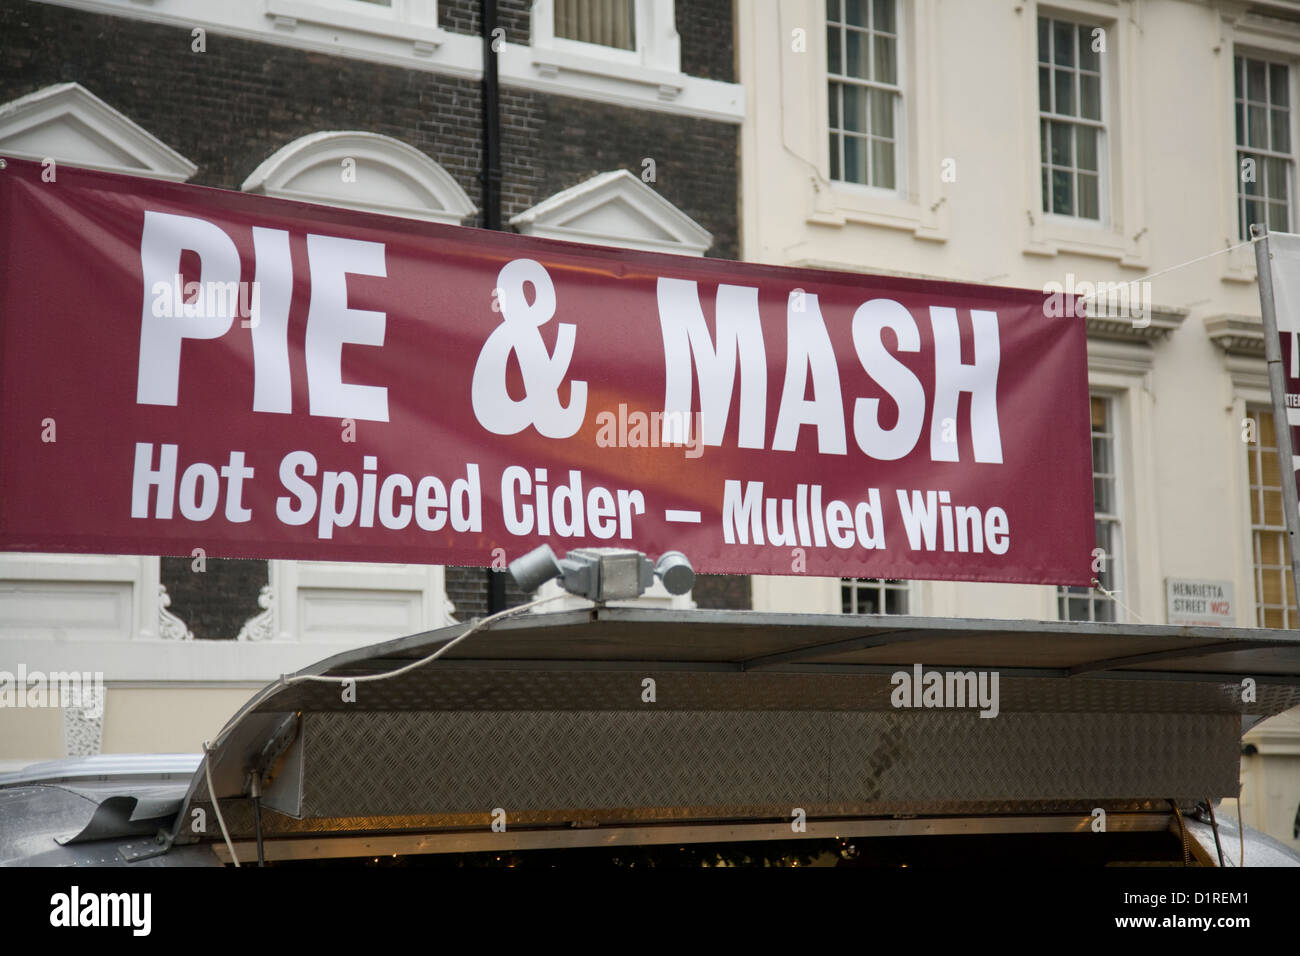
x=216 y=804
x=477 y=625
x=286 y=681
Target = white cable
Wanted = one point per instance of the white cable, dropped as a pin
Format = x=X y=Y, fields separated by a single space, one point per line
x=480 y=623
x=216 y=804
x=285 y=681
x=1180 y=265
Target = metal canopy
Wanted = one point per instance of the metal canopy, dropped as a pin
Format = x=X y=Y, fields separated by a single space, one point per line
x=545 y=716
x=750 y=640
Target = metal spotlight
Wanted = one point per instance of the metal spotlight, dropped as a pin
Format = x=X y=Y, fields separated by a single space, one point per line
x=603 y=574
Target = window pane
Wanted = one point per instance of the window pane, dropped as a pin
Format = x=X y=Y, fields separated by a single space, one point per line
x=1254 y=213
x=833 y=107
x=833 y=49
x=1062 y=193
x=1061 y=144
x=1273 y=508
x=855 y=108
x=1268 y=464
x=886 y=68
x=1281 y=131
x=1063 y=42
x=1279 y=93
x=855 y=159
x=1255 y=81
x=1241 y=125
x=884 y=16
x=882 y=113
x=1090 y=96
x=608 y=23
x=855 y=54
x=1044 y=89
x=1101 y=459
x=1089 y=59
x=835 y=156
x=855 y=12
x=1251 y=176
x=1238 y=67
x=882 y=163
x=1277 y=218
x=1097 y=409
x=1257 y=117
x=1047 y=193
x=1044 y=41
x=1086 y=139
x=1088 y=198
x=832 y=9
x=1065 y=92
x=1103 y=497
x=895 y=601
x=1275 y=171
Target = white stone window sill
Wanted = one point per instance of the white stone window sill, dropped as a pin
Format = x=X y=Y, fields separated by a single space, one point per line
x=355 y=17
x=1051 y=235
x=838 y=203
x=631 y=84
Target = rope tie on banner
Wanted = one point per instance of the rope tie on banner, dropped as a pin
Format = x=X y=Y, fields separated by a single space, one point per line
x=1114 y=596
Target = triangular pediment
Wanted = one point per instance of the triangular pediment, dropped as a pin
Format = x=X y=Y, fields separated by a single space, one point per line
x=69 y=124
x=615 y=209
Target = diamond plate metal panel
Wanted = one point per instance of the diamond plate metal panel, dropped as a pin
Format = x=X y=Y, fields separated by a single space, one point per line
x=448 y=762
x=394 y=764
x=954 y=755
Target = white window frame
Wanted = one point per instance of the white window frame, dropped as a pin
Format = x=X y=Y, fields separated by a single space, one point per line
x=881 y=586
x=1103 y=144
x=1268 y=59
x=1122 y=371
x=658 y=46
x=415 y=19
x=1261 y=38
x=1119 y=566
x=916 y=204
x=1121 y=234
x=898 y=91
x=1251 y=409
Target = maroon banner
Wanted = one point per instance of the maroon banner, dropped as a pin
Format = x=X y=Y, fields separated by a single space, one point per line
x=188 y=368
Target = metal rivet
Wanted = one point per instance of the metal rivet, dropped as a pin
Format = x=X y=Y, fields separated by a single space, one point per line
x=3 y=164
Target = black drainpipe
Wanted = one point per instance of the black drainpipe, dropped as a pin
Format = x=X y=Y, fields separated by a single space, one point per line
x=496 y=580
x=491 y=120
